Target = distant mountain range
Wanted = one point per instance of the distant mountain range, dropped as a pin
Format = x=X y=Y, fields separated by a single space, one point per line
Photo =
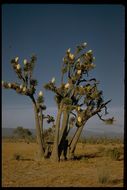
x=8 y=132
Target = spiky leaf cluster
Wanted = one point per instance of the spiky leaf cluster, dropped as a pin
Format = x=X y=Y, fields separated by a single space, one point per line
x=109 y=121
x=24 y=73
x=40 y=99
x=50 y=119
x=67 y=101
x=79 y=89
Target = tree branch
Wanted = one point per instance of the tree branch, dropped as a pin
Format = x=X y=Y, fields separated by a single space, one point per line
x=84 y=80
x=73 y=114
x=99 y=109
x=100 y=117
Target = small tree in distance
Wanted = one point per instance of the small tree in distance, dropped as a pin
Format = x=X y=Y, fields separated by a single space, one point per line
x=22 y=133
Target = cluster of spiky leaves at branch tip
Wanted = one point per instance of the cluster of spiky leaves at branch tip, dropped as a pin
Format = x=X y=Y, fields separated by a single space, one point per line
x=79 y=93
x=28 y=84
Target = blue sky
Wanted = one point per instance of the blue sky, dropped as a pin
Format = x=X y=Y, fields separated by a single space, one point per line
x=48 y=30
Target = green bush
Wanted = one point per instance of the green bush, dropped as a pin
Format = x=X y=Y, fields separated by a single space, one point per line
x=22 y=133
x=103 y=176
x=113 y=153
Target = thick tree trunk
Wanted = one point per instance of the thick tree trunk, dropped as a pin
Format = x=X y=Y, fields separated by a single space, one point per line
x=41 y=128
x=41 y=121
x=63 y=135
x=55 y=154
x=38 y=131
x=74 y=141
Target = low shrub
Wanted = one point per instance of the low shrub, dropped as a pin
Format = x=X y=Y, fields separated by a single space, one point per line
x=113 y=153
x=103 y=176
x=17 y=156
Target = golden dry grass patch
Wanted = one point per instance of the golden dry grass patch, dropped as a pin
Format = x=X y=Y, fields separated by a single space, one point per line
x=82 y=172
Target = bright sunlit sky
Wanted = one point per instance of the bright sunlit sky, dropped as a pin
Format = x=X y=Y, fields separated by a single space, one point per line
x=48 y=30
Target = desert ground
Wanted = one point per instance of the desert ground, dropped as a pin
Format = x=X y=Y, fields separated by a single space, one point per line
x=93 y=166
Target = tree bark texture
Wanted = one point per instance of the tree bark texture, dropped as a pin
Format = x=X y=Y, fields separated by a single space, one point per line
x=63 y=134
x=55 y=155
x=38 y=132
x=74 y=141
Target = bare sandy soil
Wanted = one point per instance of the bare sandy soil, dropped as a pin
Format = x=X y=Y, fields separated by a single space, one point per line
x=87 y=171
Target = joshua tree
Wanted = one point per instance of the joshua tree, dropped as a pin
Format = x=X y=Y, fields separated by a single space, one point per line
x=27 y=87
x=78 y=99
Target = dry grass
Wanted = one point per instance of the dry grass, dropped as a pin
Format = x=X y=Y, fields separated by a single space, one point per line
x=85 y=171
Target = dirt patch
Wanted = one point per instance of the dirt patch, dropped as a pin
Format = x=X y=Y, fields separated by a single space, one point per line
x=81 y=172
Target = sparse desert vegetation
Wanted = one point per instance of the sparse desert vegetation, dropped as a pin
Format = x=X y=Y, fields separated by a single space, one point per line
x=95 y=165
x=54 y=157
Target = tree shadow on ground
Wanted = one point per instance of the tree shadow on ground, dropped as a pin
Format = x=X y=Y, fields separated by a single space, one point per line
x=24 y=159
x=27 y=159
x=116 y=181
x=86 y=156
